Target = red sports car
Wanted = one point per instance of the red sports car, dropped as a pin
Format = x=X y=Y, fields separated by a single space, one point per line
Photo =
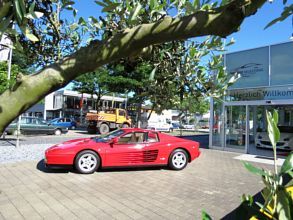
x=123 y=148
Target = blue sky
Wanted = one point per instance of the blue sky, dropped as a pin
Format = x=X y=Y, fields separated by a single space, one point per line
x=251 y=34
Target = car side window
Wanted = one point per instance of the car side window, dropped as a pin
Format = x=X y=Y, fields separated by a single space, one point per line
x=121 y=113
x=134 y=137
x=125 y=138
x=153 y=137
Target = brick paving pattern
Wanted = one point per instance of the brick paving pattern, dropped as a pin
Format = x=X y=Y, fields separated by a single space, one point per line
x=214 y=182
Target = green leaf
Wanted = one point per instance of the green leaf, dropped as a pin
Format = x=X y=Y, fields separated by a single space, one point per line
x=196 y=4
x=5 y=23
x=68 y=3
x=152 y=75
x=254 y=169
x=284 y=204
x=81 y=21
x=273 y=131
x=101 y=3
x=285 y=14
x=28 y=34
x=205 y=216
x=32 y=7
x=19 y=12
x=288 y=164
x=4 y=10
x=248 y=199
x=153 y=4
x=135 y=12
x=111 y=7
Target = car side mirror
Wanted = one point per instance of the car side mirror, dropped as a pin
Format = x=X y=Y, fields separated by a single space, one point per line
x=113 y=141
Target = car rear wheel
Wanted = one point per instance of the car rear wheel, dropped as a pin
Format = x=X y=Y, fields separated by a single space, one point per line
x=73 y=127
x=178 y=159
x=87 y=162
x=57 y=132
x=104 y=129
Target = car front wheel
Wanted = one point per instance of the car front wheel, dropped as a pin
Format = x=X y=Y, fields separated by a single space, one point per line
x=178 y=159
x=87 y=162
x=58 y=132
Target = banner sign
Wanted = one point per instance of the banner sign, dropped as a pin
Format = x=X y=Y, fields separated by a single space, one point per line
x=252 y=65
x=269 y=93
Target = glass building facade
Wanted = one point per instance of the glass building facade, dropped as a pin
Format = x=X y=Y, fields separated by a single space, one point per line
x=238 y=121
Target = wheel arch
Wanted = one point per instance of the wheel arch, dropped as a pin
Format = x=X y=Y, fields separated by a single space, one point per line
x=101 y=161
x=187 y=151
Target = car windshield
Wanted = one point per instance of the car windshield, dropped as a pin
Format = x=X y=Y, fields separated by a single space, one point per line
x=106 y=137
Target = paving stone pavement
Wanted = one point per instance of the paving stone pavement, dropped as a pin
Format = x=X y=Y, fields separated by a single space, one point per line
x=213 y=182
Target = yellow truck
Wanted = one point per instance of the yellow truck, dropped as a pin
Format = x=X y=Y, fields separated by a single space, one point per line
x=103 y=121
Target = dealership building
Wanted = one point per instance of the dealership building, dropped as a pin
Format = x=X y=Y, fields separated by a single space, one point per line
x=238 y=120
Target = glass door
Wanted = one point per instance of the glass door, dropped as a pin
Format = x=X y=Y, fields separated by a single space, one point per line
x=235 y=128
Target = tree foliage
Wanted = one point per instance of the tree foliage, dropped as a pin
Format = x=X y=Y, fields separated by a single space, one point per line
x=4 y=82
x=168 y=21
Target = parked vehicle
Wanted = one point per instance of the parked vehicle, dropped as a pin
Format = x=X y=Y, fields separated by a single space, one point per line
x=175 y=125
x=159 y=126
x=106 y=120
x=31 y=125
x=203 y=123
x=64 y=122
x=285 y=143
x=189 y=127
x=123 y=148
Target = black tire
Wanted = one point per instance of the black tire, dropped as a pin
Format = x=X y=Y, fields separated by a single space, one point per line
x=58 y=132
x=73 y=127
x=87 y=162
x=178 y=159
x=104 y=128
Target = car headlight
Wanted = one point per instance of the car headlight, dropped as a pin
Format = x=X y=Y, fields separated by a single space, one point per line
x=286 y=139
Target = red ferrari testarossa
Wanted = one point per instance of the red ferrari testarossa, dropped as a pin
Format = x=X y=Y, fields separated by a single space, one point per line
x=123 y=148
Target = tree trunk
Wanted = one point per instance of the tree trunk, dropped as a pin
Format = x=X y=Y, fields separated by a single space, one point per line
x=30 y=89
x=138 y=115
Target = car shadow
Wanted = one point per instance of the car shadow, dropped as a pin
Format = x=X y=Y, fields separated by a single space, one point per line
x=131 y=169
x=41 y=167
x=69 y=169
x=85 y=133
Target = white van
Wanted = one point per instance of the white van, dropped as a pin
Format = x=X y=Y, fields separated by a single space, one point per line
x=159 y=125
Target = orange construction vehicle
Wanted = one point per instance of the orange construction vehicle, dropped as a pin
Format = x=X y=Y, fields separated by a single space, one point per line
x=104 y=121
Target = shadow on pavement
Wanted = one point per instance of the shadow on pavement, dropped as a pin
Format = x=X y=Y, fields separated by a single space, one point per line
x=84 y=133
x=69 y=169
x=41 y=167
x=243 y=212
x=132 y=169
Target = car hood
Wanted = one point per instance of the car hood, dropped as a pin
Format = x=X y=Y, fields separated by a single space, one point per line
x=76 y=143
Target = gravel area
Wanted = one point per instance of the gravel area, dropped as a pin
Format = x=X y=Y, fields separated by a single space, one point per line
x=11 y=154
